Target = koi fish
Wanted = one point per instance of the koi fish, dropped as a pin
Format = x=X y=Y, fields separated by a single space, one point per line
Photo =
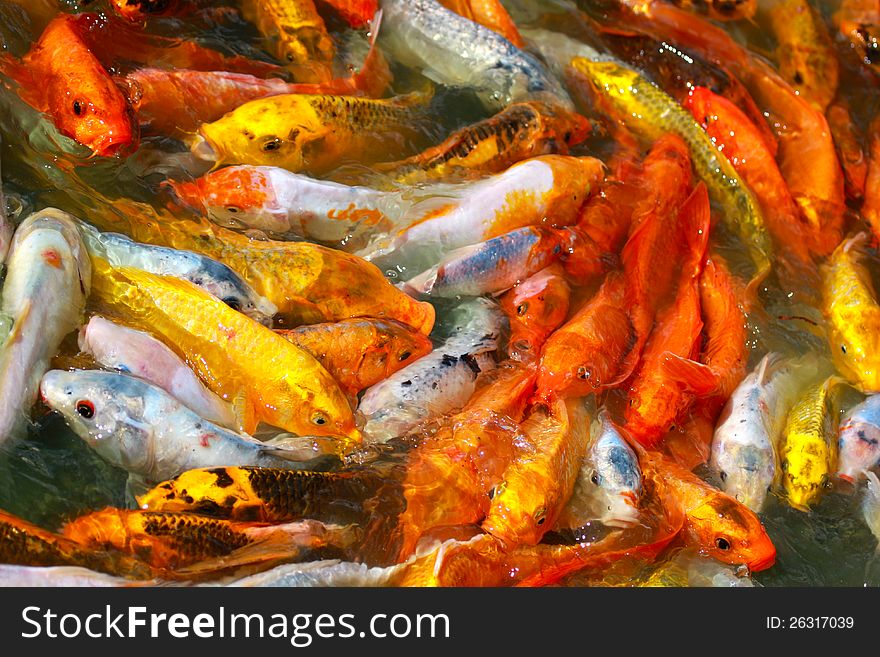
x=492 y=266
x=542 y=475
x=859 y=441
x=439 y=382
x=668 y=376
x=718 y=525
x=808 y=449
x=609 y=485
x=518 y=132
x=44 y=294
x=281 y=203
x=263 y=375
x=311 y=132
x=852 y=313
x=543 y=190
x=534 y=309
x=296 y=35
x=140 y=354
x=61 y=76
x=455 y=51
x=140 y=428
x=361 y=352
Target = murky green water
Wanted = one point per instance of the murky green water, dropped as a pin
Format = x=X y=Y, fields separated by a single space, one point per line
x=51 y=476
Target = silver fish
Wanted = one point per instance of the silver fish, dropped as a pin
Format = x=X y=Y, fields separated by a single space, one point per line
x=859 y=440
x=610 y=481
x=140 y=354
x=44 y=296
x=438 y=382
x=5 y=225
x=139 y=427
x=744 y=446
x=455 y=51
x=212 y=276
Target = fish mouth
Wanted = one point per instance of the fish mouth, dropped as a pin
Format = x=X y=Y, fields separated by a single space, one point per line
x=202 y=149
x=111 y=145
x=763 y=563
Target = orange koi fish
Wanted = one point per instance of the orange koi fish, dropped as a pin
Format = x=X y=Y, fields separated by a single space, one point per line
x=488 y=13
x=668 y=376
x=296 y=34
x=540 y=479
x=535 y=308
x=737 y=138
x=716 y=523
x=449 y=476
x=724 y=307
x=587 y=353
x=61 y=76
x=360 y=352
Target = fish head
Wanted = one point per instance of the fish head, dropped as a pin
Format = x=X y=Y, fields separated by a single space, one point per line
x=86 y=105
x=805 y=472
x=226 y=284
x=101 y=410
x=235 y=197
x=535 y=308
x=858 y=448
x=397 y=346
x=286 y=133
x=571 y=365
x=519 y=513
x=746 y=471
x=730 y=532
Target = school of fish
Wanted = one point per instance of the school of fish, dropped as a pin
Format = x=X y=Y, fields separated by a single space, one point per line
x=437 y=292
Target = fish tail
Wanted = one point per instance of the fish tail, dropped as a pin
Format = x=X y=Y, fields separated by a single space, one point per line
x=375 y=75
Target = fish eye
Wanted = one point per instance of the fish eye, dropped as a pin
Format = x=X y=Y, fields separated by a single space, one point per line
x=85 y=408
x=595 y=478
x=723 y=475
x=272 y=144
x=404 y=355
x=232 y=209
x=320 y=419
x=722 y=543
x=584 y=373
x=78 y=108
x=232 y=303
x=843 y=348
x=522 y=308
